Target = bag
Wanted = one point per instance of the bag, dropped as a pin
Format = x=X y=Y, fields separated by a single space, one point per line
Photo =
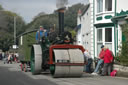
x=113 y=73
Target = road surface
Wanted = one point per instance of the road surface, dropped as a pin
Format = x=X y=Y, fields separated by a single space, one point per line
x=10 y=74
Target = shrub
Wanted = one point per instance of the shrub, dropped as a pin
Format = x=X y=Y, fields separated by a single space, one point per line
x=122 y=58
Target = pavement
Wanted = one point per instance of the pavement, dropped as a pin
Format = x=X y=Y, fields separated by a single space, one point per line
x=16 y=77
x=122 y=71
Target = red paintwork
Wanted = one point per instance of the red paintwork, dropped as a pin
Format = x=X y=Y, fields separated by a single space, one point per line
x=70 y=64
x=62 y=47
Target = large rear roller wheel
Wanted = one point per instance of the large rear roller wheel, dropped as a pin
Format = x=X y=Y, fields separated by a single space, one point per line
x=36 y=59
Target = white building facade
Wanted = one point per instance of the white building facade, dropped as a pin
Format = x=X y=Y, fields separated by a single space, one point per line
x=102 y=25
x=85 y=32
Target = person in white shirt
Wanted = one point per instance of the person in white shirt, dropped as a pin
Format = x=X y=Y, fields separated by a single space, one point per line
x=88 y=59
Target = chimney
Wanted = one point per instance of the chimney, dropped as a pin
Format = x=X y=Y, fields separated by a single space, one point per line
x=79 y=12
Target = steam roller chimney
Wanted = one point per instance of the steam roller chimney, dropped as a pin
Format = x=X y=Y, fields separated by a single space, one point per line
x=61 y=20
x=61 y=5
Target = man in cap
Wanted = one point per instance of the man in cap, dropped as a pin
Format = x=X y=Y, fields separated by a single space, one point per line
x=40 y=33
x=101 y=57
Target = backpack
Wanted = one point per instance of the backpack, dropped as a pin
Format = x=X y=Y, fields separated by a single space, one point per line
x=113 y=73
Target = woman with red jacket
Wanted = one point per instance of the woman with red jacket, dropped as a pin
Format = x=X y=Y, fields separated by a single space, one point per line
x=108 y=59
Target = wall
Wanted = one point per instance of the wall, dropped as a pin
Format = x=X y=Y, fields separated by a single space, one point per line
x=86 y=30
x=84 y=34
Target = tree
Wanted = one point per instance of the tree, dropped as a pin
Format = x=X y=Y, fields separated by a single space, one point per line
x=71 y=15
x=123 y=55
x=7 y=28
x=48 y=20
x=1 y=8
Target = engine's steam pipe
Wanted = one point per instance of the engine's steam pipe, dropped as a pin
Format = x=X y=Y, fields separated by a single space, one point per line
x=61 y=20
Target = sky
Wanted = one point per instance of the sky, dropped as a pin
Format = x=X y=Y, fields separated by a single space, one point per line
x=28 y=9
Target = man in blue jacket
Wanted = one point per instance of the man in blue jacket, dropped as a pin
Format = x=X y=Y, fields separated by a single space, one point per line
x=40 y=33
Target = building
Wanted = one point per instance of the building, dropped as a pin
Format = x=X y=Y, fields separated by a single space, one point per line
x=100 y=25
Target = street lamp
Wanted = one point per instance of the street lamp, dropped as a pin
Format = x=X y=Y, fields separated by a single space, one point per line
x=14 y=30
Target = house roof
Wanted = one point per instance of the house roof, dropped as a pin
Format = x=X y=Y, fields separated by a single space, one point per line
x=84 y=9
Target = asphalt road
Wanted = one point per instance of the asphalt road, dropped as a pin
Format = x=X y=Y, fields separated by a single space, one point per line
x=10 y=74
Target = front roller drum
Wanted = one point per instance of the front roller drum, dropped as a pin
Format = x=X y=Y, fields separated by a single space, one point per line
x=36 y=59
x=64 y=63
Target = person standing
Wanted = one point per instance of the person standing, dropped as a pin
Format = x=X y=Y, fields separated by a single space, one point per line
x=88 y=57
x=40 y=33
x=0 y=56
x=108 y=59
x=9 y=58
x=100 y=62
x=52 y=35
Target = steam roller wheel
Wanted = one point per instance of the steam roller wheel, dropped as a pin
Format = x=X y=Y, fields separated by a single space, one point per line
x=62 y=59
x=36 y=59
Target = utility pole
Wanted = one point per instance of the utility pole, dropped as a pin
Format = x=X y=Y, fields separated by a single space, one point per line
x=14 y=30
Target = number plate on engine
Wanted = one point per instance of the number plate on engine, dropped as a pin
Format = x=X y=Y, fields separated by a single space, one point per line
x=62 y=61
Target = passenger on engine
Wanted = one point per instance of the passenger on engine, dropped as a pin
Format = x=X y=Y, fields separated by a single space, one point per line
x=40 y=33
x=52 y=35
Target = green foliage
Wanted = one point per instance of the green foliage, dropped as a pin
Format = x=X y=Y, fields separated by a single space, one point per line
x=49 y=20
x=7 y=28
x=46 y=20
x=71 y=15
x=1 y=8
x=123 y=56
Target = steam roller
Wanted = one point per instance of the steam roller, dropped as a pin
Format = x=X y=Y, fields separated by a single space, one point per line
x=57 y=54
x=54 y=53
x=61 y=60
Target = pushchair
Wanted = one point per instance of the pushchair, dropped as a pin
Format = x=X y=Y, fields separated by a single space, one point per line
x=5 y=60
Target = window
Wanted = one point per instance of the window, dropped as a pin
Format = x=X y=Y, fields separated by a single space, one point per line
x=99 y=40
x=99 y=6
x=108 y=34
x=99 y=34
x=99 y=48
x=108 y=5
x=104 y=37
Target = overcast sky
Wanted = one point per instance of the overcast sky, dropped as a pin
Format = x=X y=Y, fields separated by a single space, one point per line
x=30 y=8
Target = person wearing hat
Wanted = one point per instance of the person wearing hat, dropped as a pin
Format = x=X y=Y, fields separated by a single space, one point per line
x=40 y=33
x=101 y=57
